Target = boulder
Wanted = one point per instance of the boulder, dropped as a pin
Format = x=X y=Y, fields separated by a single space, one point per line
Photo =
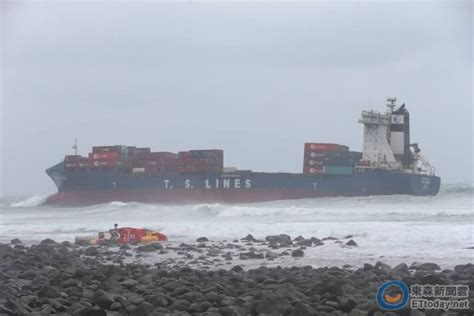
x=103 y=299
x=297 y=253
x=351 y=243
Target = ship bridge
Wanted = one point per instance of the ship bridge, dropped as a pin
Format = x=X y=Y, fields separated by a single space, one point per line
x=387 y=140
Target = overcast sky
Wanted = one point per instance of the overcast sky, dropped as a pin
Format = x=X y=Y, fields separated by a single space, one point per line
x=257 y=79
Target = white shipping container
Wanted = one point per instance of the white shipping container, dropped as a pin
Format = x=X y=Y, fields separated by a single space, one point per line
x=138 y=170
x=230 y=169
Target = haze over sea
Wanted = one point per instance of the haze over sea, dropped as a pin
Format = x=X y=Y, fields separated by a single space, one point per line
x=392 y=229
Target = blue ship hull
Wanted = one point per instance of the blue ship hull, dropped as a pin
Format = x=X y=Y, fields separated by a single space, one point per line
x=91 y=186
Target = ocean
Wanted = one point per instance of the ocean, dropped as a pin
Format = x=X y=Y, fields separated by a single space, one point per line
x=392 y=229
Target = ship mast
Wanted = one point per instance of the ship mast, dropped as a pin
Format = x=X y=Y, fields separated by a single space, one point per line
x=75 y=146
x=391 y=104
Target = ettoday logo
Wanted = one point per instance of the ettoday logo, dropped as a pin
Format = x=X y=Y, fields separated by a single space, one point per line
x=392 y=295
x=395 y=295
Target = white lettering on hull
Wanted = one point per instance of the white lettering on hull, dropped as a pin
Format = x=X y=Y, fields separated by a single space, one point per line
x=208 y=184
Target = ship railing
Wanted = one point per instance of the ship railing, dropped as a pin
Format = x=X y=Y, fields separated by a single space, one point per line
x=428 y=167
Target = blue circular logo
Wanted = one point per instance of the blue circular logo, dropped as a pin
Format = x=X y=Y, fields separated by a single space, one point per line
x=395 y=301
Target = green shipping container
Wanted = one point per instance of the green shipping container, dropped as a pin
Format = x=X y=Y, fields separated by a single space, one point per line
x=338 y=170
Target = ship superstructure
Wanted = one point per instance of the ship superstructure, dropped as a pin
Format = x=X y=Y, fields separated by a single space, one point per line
x=387 y=141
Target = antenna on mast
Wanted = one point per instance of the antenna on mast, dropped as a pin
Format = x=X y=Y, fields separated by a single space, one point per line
x=75 y=146
x=391 y=104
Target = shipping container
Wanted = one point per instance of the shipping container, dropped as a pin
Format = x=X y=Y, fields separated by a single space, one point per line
x=138 y=170
x=104 y=155
x=136 y=151
x=103 y=163
x=355 y=155
x=313 y=162
x=184 y=155
x=313 y=170
x=207 y=153
x=324 y=147
x=158 y=155
x=341 y=162
x=72 y=158
x=229 y=169
x=120 y=149
x=338 y=170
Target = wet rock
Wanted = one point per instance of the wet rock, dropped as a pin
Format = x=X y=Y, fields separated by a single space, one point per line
x=15 y=241
x=47 y=241
x=304 y=242
x=154 y=246
x=297 y=253
x=281 y=239
x=91 y=251
x=144 y=309
x=382 y=266
x=428 y=266
x=298 y=238
x=351 y=243
x=93 y=312
x=199 y=307
x=271 y=255
x=433 y=279
x=316 y=242
x=250 y=238
x=157 y=300
x=251 y=255
x=302 y=309
x=27 y=275
x=70 y=283
x=103 y=299
x=202 y=239
x=237 y=269
x=273 y=306
x=49 y=292
x=402 y=267
x=347 y=305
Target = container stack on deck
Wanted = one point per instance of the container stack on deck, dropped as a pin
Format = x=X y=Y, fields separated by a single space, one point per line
x=109 y=157
x=75 y=161
x=158 y=162
x=142 y=160
x=323 y=158
x=201 y=160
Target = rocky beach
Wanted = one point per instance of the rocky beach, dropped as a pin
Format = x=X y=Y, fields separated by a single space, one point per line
x=247 y=276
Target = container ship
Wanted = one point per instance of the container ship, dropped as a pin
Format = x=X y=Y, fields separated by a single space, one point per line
x=388 y=164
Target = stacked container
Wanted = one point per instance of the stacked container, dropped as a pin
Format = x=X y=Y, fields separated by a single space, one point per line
x=75 y=162
x=327 y=158
x=158 y=162
x=201 y=160
x=109 y=157
x=138 y=160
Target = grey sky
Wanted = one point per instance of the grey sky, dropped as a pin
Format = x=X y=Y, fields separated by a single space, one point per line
x=255 y=79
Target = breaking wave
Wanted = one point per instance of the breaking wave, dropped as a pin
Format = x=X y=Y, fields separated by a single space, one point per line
x=32 y=201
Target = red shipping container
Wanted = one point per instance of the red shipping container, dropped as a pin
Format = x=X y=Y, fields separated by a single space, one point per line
x=324 y=147
x=312 y=170
x=104 y=155
x=184 y=155
x=313 y=162
x=102 y=163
